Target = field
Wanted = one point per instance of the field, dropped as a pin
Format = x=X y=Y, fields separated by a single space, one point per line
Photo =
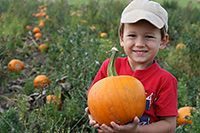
x=181 y=3
x=76 y=49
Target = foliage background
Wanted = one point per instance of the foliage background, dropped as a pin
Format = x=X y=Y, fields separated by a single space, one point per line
x=77 y=51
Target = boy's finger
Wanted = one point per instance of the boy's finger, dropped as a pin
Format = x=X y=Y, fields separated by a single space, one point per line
x=136 y=120
x=87 y=110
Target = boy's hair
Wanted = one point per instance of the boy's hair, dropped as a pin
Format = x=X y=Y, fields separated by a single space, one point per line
x=147 y=10
x=162 y=30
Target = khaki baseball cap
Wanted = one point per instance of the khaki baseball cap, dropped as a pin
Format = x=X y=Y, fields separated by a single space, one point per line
x=145 y=10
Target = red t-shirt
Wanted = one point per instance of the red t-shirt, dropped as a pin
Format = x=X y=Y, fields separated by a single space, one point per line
x=160 y=87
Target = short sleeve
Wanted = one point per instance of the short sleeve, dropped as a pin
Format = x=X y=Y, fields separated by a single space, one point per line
x=166 y=99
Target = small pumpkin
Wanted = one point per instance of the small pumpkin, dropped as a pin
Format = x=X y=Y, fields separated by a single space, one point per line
x=36 y=30
x=54 y=99
x=38 y=15
x=42 y=46
x=28 y=27
x=103 y=35
x=180 y=46
x=43 y=13
x=15 y=65
x=92 y=28
x=41 y=24
x=41 y=80
x=184 y=115
x=47 y=17
x=38 y=35
x=168 y=41
x=116 y=98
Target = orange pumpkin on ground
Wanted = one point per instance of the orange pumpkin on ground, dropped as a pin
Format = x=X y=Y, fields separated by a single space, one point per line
x=116 y=98
x=37 y=35
x=47 y=17
x=40 y=81
x=42 y=46
x=15 y=65
x=28 y=27
x=180 y=46
x=43 y=13
x=41 y=24
x=36 y=30
x=103 y=34
x=168 y=41
x=53 y=98
x=184 y=114
x=38 y=15
x=92 y=28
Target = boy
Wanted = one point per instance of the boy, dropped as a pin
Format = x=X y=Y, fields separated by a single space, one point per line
x=142 y=33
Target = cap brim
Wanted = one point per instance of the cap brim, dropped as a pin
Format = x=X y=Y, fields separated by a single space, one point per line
x=142 y=15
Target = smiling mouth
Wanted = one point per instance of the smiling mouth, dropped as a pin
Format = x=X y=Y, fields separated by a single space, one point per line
x=140 y=51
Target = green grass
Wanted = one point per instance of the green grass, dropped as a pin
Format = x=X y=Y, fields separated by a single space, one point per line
x=183 y=3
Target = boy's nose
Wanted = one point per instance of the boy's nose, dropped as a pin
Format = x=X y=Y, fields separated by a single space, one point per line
x=140 y=42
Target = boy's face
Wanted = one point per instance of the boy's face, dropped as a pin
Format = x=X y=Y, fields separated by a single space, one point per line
x=142 y=41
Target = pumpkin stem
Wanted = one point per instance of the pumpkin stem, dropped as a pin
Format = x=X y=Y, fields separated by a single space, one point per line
x=111 y=71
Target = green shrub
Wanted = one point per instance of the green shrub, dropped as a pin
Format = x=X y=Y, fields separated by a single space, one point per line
x=9 y=121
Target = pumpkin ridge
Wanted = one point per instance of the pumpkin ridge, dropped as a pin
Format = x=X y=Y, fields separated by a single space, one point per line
x=127 y=100
x=118 y=118
x=129 y=92
x=107 y=102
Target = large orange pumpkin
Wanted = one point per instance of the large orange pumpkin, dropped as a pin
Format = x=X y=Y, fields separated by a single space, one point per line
x=15 y=65
x=40 y=81
x=116 y=98
x=184 y=115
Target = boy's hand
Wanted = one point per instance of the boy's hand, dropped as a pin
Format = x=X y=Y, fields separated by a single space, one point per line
x=128 y=128
x=92 y=122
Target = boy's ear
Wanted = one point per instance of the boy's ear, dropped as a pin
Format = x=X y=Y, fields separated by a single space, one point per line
x=164 y=42
x=121 y=40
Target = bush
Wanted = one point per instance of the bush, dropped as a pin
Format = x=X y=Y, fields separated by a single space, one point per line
x=9 y=121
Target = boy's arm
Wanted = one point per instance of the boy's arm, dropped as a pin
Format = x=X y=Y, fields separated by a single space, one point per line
x=166 y=124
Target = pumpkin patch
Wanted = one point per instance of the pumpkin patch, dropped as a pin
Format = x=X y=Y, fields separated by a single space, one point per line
x=76 y=50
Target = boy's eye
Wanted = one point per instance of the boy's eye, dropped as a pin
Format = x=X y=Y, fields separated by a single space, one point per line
x=132 y=35
x=149 y=37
